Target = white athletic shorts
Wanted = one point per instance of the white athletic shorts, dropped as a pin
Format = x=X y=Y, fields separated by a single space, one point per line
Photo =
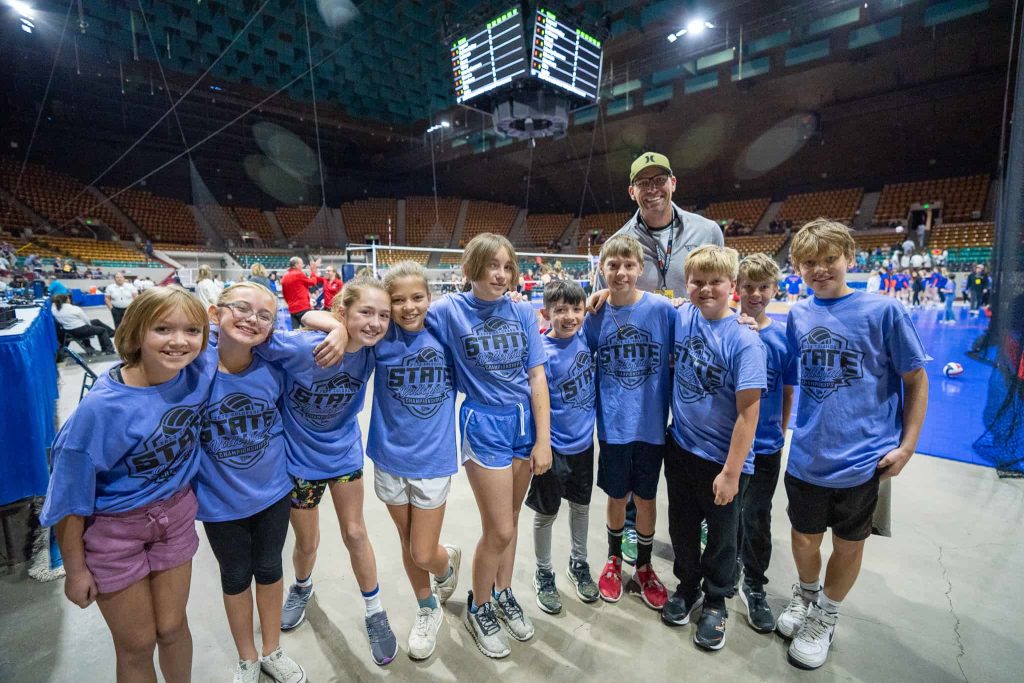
x=425 y=494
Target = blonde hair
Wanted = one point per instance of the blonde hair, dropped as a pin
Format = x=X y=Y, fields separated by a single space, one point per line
x=822 y=237
x=404 y=269
x=623 y=246
x=713 y=260
x=225 y=294
x=148 y=308
x=759 y=268
x=258 y=269
x=479 y=252
x=353 y=291
x=205 y=273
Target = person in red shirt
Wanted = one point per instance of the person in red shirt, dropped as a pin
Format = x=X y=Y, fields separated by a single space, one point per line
x=295 y=286
x=332 y=285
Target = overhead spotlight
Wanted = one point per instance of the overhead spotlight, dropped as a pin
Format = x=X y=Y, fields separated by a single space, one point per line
x=22 y=8
x=671 y=37
x=697 y=26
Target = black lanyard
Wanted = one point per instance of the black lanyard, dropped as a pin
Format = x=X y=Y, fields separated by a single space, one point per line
x=664 y=253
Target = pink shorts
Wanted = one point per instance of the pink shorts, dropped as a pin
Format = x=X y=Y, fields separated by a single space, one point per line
x=124 y=547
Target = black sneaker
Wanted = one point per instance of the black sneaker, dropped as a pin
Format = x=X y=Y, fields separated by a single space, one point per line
x=676 y=611
x=710 y=633
x=759 y=614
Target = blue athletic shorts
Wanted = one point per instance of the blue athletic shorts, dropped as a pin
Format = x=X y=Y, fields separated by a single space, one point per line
x=624 y=468
x=493 y=435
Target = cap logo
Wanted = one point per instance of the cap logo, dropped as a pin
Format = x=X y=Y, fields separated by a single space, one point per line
x=649 y=159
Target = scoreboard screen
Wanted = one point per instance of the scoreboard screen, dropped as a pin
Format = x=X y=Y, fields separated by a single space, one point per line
x=565 y=56
x=490 y=58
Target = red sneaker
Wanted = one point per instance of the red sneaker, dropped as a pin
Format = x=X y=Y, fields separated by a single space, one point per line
x=610 y=583
x=652 y=591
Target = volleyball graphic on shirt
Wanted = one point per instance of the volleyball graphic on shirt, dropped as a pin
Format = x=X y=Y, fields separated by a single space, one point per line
x=422 y=382
x=699 y=370
x=827 y=363
x=322 y=402
x=577 y=388
x=629 y=356
x=236 y=430
x=497 y=346
x=170 y=446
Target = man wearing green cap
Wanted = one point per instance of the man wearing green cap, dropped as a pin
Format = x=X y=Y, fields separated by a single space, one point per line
x=667 y=233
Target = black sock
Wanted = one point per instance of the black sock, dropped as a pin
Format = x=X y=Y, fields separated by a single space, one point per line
x=615 y=542
x=644 y=545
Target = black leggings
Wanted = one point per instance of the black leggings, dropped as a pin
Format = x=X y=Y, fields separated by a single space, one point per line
x=84 y=334
x=251 y=547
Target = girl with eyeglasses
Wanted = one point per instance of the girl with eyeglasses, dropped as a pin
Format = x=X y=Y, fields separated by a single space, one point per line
x=243 y=486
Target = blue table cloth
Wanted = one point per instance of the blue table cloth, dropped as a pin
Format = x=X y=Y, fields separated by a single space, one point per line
x=28 y=382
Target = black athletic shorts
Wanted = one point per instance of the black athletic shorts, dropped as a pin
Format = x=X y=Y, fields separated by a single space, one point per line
x=297 y=318
x=570 y=477
x=813 y=509
x=624 y=468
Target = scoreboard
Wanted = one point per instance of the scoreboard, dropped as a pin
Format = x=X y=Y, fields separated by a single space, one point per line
x=490 y=58
x=565 y=57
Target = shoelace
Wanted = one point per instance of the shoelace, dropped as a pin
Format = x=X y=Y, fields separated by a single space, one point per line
x=797 y=605
x=582 y=573
x=813 y=628
x=488 y=622
x=378 y=629
x=546 y=582
x=422 y=625
x=294 y=599
x=511 y=606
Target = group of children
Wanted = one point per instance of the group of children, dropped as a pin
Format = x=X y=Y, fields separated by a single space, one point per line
x=247 y=432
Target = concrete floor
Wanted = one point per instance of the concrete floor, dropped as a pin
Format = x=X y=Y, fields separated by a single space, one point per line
x=940 y=601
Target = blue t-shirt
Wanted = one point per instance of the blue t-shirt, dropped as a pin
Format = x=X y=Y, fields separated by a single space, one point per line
x=714 y=359
x=57 y=287
x=852 y=354
x=782 y=371
x=126 y=447
x=632 y=345
x=320 y=406
x=792 y=283
x=412 y=425
x=571 y=378
x=902 y=280
x=243 y=467
x=494 y=345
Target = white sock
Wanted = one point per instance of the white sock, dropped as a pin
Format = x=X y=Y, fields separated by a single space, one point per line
x=306 y=583
x=827 y=604
x=372 y=600
x=811 y=588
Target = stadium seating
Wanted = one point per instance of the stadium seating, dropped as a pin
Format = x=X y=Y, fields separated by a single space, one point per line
x=254 y=221
x=97 y=253
x=391 y=256
x=24 y=247
x=488 y=217
x=273 y=261
x=606 y=223
x=870 y=240
x=746 y=211
x=967 y=243
x=57 y=197
x=840 y=205
x=426 y=227
x=300 y=224
x=174 y=246
x=369 y=217
x=162 y=219
x=753 y=244
x=543 y=228
x=962 y=198
x=11 y=218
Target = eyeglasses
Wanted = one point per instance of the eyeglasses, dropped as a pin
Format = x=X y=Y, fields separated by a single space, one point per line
x=243 y=311
x=645 y=184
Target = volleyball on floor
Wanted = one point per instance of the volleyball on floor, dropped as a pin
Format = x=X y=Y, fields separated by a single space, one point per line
x=952 y=369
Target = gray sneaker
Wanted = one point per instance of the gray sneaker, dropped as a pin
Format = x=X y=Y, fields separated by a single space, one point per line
x=294 y=610
x=547 y=595
x=516 y=621
x=383 y=644
x=445 y=587
x=247 y=672
x=579 y=574
x=486 y=631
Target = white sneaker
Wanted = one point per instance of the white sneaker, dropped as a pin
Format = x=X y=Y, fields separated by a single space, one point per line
x=809 y=648
x=282 y=668
x=444 y=589
x=423 y=636
x=247 y=672
x=512 y=614
x=793 y=616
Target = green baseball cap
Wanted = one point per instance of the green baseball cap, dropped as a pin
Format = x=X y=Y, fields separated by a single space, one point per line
x=646 y=160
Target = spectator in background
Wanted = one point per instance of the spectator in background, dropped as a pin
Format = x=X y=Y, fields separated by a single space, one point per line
x=922 y=235
x=58 y=264
x=77 y=325
x=56 y=287
x=118 y=296
x=5 y=265
x=332 y=284
x=258 y=274
x=273 y=281
x=874 y=282
x=908 y=246
x=143 y=283
x=295 y=286
x=207 y=290
x=978 y=284
x=149 y=250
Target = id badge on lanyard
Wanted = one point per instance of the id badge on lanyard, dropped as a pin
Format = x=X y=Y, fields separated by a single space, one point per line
x=664 y=260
